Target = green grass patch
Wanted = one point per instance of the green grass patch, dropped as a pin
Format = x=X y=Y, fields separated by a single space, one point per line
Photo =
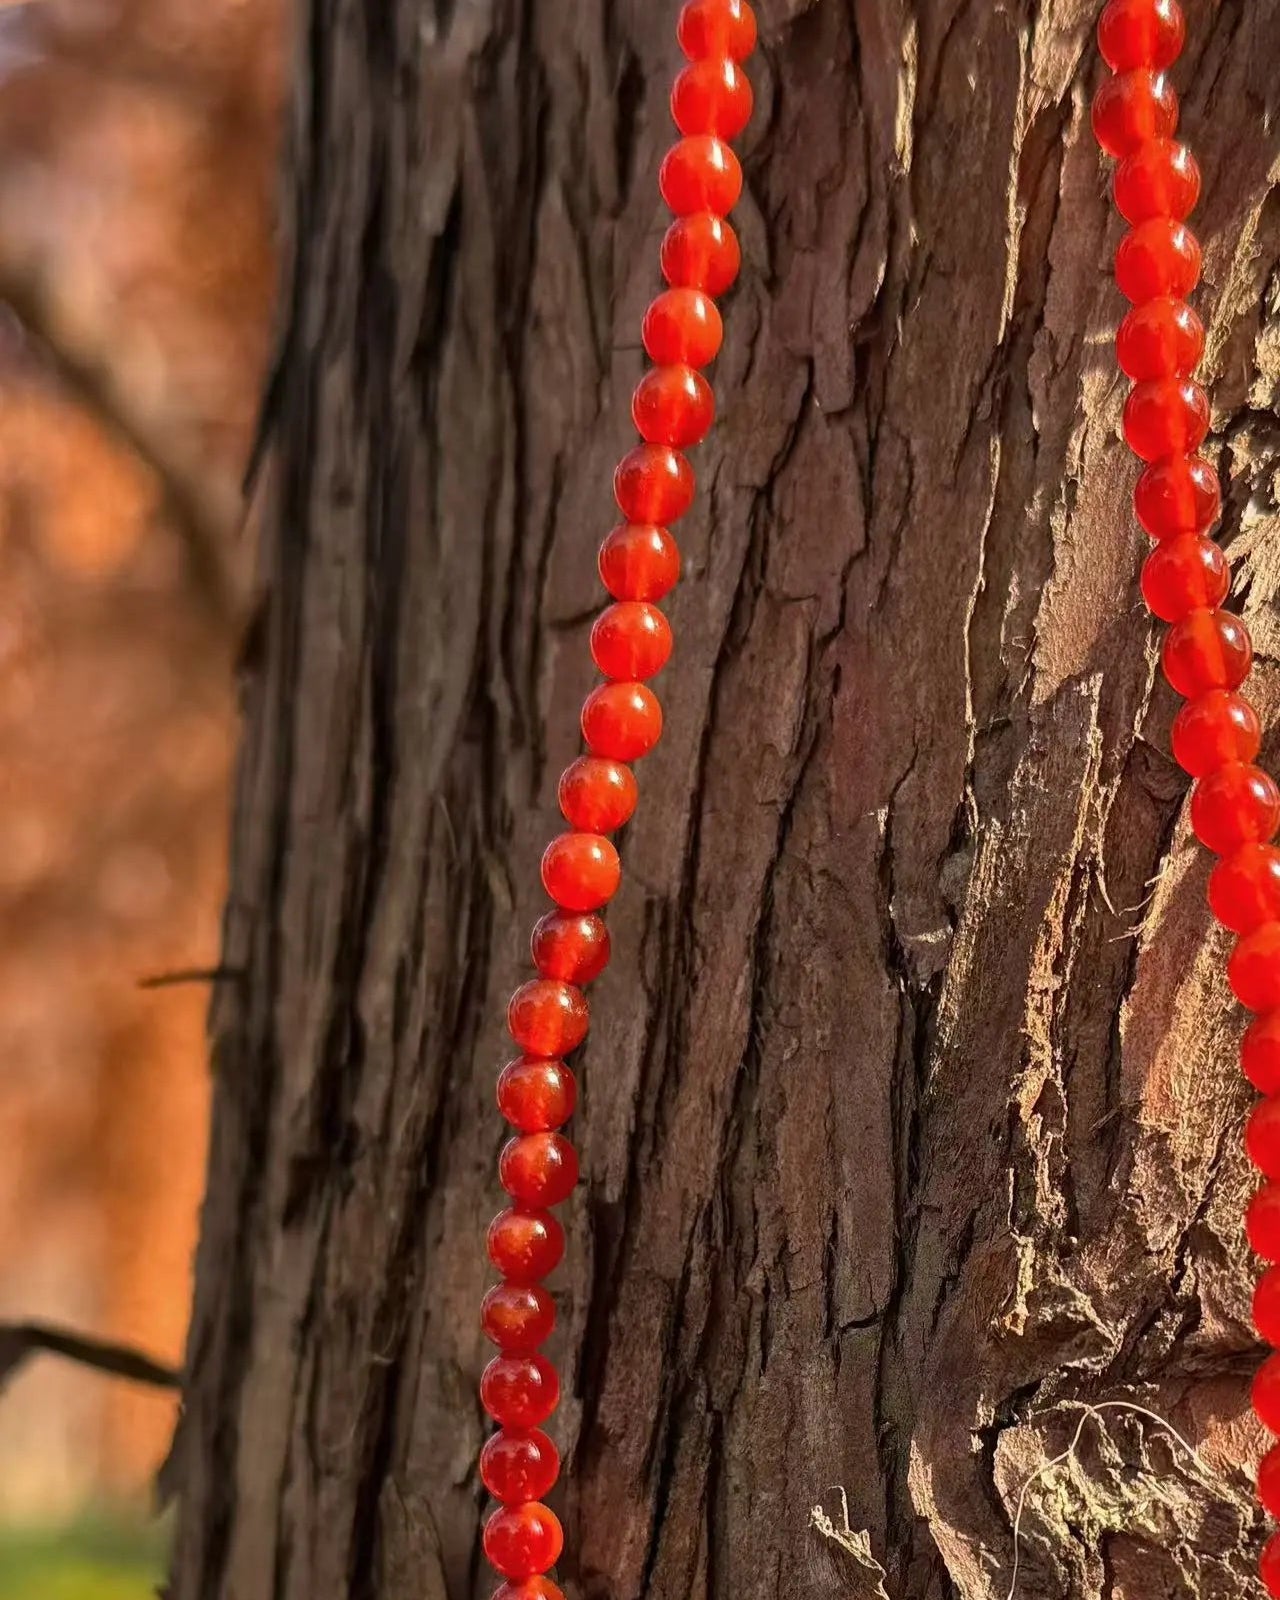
x=96 y=1559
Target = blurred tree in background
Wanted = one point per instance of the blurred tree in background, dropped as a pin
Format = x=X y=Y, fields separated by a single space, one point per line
x=138 y=159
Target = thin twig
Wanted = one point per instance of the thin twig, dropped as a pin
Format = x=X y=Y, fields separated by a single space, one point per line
x=21 y=1340
x=181 y=975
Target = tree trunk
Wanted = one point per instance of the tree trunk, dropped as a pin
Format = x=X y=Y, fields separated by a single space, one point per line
x=910 y=1108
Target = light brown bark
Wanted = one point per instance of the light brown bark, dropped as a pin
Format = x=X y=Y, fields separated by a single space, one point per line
x=910 y=1115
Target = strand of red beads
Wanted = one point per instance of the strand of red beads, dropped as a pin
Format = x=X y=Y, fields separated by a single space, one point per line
x=672 y=406
x=1235 y=806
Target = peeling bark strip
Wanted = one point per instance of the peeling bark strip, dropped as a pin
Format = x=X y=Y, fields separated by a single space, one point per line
x=911 y=1136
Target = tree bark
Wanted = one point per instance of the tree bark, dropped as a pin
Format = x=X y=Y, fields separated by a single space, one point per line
x=910 y=1108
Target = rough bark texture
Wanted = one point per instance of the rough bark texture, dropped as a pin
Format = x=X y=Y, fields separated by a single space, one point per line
x=911 y=1108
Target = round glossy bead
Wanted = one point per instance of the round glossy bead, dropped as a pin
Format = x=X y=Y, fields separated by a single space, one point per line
x=653 y=483
x=528 y=1589
x=717 y=28
x=581 y=871
x=536 y=1096
x=1206 y=650
x=1269 y=1566
x=639 y=562
x=517 y=1317
x=1269 y=1481
x=525 y=1246
x=622 y=721
x=1235 y=805
x=1244 y=889
x=1160 y=257
x=1254 y=968
x=1266 y=1306
x=1165 y=417
x=1185 y=574
x=1213 y=730
x=597 y=796
x=1262 y=1137
x=1161 y=339
x=682 y=328
x=1262 y=1223
x=1133 y=107
x=518 y=1465
x=1180 y=495
x=701 y=251
x=538 y=1169
x=522 y=1540
x=1266 y=1394
x=519 y=1391
x=700 y=173
x=631 y=640
x=572 y=946
x=547 y=1018
x=712 y=96
x=1141 y=33
x=1260 y=1062
x=1160 y=179
x=673 y=405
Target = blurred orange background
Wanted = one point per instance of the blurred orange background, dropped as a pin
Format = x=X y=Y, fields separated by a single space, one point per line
x=139 y=144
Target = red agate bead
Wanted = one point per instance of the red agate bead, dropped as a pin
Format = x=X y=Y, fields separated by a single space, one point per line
x=700 y=173
x=1160 y=179
x=519 y=1391
x=1266 y=1394
x=547 y=1018
x=1254 y=968
x=639 y=562
x=518 y=1317
x=1185 y=574
x=1161 y=339
x=580 y=871
x=525 y=1245
x=701 y=251
x=528 y=1589
x=1213 y=730
x=536 y=1096
x=523 y=1540
x=653 y=483
x=1262 y=1222
x=622 y=721
x=596 y=795
x=1262 y=1137
x=1235 y=805
x=682 y=328
x=1269 y=1481
x=717 y=28
x=673 y=405
x=1244 y=888
x=538 y=1169
x=1269 y=1566
x=1178 y=495
x=1260 y=1062
x=1141 y=33
x=1165 y=416
x=571 y=946
x=1133 y=107
x=1159 y=257
x=1206 y=650
x=1266 y=1305
x=518 y=1465
x=631 y=640
x=712 y=96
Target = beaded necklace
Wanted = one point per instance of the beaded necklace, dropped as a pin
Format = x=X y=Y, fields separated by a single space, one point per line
x=1235 y=806
x=672 y=408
